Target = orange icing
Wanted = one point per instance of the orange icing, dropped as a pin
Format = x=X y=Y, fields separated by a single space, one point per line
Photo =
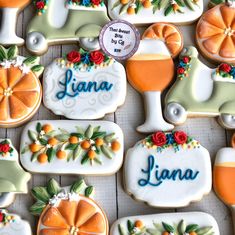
x=22 y=93
x=150 y=75
x=224 y=183
x=14 y=3
x=168 y=33
x=215 y=35
x=69 y=216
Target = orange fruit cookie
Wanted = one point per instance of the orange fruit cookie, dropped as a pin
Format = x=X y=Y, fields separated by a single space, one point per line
x=215 y=34
x=20 y=88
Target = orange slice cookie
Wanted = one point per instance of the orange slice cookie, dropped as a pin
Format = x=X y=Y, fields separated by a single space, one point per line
x=215 y=34
x=69 y=211
x=167 y=33
x=14 y=3
x=20 y=89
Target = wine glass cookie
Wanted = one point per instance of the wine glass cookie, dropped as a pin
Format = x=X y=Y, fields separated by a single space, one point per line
x=223 y=176
x=201 y=91
x=72 y=147
x=68 y=210
x=84 y=85
x=215 y=33
x=192 y=223
x=11 y=224
x=167 y=162
x=13 y=179
x=151 y=70
x=63 y=21
x=20 y=88
x=10 y=10
x=147 y=11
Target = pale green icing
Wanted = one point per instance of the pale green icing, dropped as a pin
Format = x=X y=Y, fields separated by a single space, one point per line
x=76 y=20
x=12 y=177
x=222 y=99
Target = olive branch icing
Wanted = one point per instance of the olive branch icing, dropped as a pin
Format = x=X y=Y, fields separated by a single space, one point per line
x=138 y=228
x=52 y=194
x=87 y=144
x=9 y=57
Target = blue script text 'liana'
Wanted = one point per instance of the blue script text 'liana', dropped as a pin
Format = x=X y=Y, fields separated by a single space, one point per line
x=72 y=88
x=164 y=174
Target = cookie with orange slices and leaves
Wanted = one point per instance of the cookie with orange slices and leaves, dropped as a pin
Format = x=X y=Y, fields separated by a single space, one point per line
x=20 y=88
x=215 y=33
x=68 y=210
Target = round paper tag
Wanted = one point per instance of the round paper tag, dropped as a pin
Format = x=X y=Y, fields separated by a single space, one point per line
x=119 y=39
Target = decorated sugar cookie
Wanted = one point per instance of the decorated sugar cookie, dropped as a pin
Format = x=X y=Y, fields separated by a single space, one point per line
x=68 y=210
x=209 y=92
x=84 y=85
x=11 y=224
x=72 y=147
x=147 y=11
x=20 y=88
x=193 y=223
x=223 y=176
x=10 y=10
x=215 y=33
x=13 y=179
x=63 y=21
x=151 y=70
x=167 y=162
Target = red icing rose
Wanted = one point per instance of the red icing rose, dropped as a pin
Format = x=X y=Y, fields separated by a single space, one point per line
x=159 y=138
x=180 y=137
x=74 y=57
x=97 y=57
x=186 y=59
x=225 y=68
x=180 y=70
x=1 y=216
x=4 y=148
x=96 y=2
x=40 y=5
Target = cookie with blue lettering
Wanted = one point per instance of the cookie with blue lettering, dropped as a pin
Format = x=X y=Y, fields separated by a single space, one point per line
x=168 y=169
x=84 y=85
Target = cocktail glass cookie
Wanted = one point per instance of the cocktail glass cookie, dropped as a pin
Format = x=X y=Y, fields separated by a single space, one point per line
x=215 y=33
x=68 y=210
x=72 y=147
x=223 y=176
x=84 y=85
x=10 y=10
x=151 y=70
x=63 y=21
x=20 y=88
x=13 y=179
x=167 y=162
x=12 y=224
x=147 y=11
x=201 y=91
x=165 y=224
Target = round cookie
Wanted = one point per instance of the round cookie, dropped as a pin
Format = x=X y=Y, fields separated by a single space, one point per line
x=167 y=223
x=147 y=11
x=209 y=91
x=72 y=147
x=151 y=70
x=10 y=10
x=84 y=85
x=68 y=210
x=167 y=162
x=13 y=179
x=20 y=88
x=215 y=33
x=63 y=21
x=11 y=224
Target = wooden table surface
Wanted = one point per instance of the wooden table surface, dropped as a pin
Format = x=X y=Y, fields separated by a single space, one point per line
x=109 y=190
